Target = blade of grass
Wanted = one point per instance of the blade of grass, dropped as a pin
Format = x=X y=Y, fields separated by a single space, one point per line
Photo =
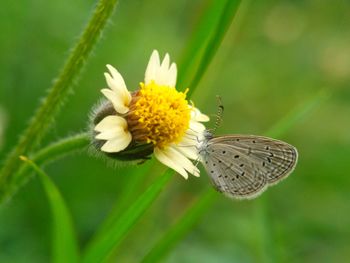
x=226 y=18
x=199 y=38
x=53 y=152
x=181 y=227
x=65 y=245
x=126 y=197
x=102 y=247
x=57 y=94
x=264 y=249
x=176 y=232
x=298 y=114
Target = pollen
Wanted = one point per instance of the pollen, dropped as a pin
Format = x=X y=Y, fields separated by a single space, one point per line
x=158 y=114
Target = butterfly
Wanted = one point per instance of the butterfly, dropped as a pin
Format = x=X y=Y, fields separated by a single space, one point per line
x=244 y=166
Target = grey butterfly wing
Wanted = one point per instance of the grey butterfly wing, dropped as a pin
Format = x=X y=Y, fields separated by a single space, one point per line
x=243 y=166
x=237 y=182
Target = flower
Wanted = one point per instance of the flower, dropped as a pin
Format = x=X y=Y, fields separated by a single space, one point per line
x=155 y=118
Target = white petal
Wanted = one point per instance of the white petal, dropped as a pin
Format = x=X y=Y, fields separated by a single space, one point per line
x=198 y=116
x=152 y=67
x=118 y=86
x=117 y=144
x=191 y=135
x=117 y=77
x=162 y=75
x=172 y=74
x=113 y=129
x=190 y=151
x=163 y=157
x=180 y=159
x=189 y=139
x=166 y=62
x=197 y=127
x=117 y=100
x=110 y=134
x=195 y=136
x=111 y=122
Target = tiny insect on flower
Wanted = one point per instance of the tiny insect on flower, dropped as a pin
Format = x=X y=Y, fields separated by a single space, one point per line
x=154 y=119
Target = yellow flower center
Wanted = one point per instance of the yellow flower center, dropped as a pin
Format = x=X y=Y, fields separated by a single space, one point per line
x=158 y=114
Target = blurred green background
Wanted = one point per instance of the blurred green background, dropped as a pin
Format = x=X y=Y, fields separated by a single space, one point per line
x=276 y=56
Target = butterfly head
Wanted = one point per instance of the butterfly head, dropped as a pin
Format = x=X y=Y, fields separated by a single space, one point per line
x=208 y=135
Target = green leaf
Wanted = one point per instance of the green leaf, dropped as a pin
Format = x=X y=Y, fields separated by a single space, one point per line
x=181 y=227
x=65 y=245
x=104 y=245
x=195 y=46
x=52 y=152
x=226 y=18
x=298 y=114
x=127 y=196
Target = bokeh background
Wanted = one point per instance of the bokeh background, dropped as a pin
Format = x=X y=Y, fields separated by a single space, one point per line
x=276 y=56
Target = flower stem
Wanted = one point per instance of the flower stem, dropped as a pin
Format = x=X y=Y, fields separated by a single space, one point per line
x=104 y=245
x=226 y=18
x=52 y=152
x=57 y=94
x=181 y=227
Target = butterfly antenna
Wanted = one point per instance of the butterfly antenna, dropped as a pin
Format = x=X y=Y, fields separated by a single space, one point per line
x=219 y=113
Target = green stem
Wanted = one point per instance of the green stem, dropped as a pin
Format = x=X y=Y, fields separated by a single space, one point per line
x=215 y=40
x=181 y=227
x=127 y=196
x=57 y=94
x=195 y=46
x=298 y=114
x=102 y=247
x=52 y=152
x=264 y=234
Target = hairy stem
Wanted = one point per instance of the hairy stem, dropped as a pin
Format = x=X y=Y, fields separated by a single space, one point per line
x=52 y=152
x=57 y=94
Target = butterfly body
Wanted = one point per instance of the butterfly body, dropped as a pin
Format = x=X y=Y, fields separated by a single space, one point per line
x=243 y=166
